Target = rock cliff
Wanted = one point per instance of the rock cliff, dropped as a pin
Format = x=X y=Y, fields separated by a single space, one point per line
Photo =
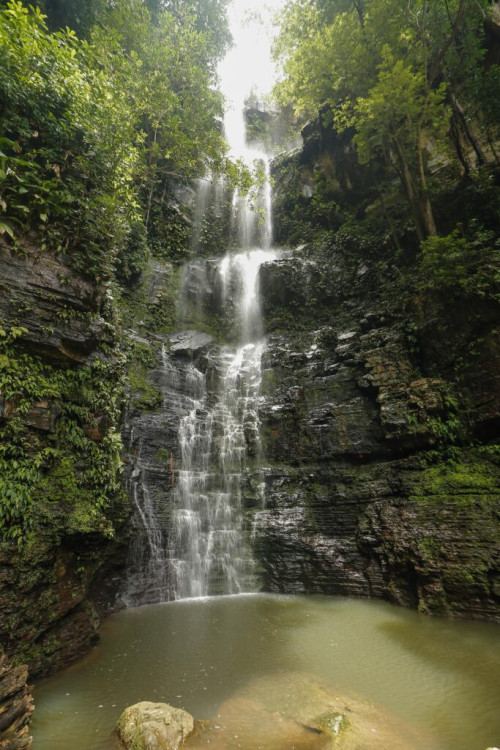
x=377 y=470
x=16 y=706
x=362 y=397
x=380 y=407
x=62 y=502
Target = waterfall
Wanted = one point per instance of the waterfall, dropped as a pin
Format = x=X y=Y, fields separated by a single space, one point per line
x=210 y=549
x=192 y=537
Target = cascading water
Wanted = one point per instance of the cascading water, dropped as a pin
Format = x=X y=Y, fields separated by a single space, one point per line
x=152 y=479
x=197 y=542
x=209 y=547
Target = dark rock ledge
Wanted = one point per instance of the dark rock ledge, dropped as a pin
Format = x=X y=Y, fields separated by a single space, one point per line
x=16 y=706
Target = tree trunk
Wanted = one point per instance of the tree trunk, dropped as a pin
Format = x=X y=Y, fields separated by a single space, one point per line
x=408 y=183
x=151 y=175
x=360 y=10
x=461 y=119
x=423 y=196
x=435 y=70
x=394 y=234
x=456 y=137
x=493 y=149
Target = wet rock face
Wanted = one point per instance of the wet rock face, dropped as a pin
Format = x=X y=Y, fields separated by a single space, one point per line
x=60 y=311
x=326 y=167
x=460 y=341
x=356 y=392
x=312 y=407
x=350 y=408
x=47 y=613
x=189 y=343
x=154 y=456
x=16 y=706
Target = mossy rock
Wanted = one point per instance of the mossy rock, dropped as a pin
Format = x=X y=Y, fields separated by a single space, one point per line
x=154 y=726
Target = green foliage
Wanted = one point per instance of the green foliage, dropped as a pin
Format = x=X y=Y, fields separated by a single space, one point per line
x=79 y=15
x=157 y=312
x=465 y=481
x=492 y=450
x=85 y=402
x=396 y=73
x=93 y=131
x=208 y=18
x=444 y=427
x=215 y=229
x=69 y=148
x=61 y=496
x=133 y=256
x=457 y=262
x=169 y=231
x=397 y=108
x=144 y=394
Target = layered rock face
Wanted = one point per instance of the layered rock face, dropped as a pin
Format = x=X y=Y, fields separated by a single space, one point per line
x=375 y=474
x=16 y=706
x=62 y=503
x=60 y=310
x=360 y=398
x=151 y=436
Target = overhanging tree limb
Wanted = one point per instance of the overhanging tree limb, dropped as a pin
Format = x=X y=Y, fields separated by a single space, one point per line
x=436 y=66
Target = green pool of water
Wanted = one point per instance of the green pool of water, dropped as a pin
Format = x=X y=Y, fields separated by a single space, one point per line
x=440 y=677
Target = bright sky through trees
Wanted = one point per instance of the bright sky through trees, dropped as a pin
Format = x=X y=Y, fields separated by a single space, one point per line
x=248 y=67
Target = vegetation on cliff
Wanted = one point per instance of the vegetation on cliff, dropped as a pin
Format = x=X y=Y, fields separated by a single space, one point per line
x=107 y=110
x=94 y=129
x=94 y=126
x=396 y=195
x=414 y=84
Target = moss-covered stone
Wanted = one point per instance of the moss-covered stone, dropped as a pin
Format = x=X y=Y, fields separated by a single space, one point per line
x=145 y=395
x=151 y=305
x=154 y=726
x=465 y=482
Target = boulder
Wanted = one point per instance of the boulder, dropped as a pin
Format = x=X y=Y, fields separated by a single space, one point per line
x=189 y=343
x=154 y=726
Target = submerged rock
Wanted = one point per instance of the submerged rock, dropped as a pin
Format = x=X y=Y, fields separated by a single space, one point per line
x=154 y=726
x=295 y=710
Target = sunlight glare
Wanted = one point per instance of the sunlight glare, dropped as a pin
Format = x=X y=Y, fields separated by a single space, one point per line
x=248 y=66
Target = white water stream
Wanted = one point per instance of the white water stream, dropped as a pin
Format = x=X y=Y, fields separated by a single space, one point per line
x=209 y=545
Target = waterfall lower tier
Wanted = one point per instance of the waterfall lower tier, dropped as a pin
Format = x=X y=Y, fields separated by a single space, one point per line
x=190 y=458
x=208 y=548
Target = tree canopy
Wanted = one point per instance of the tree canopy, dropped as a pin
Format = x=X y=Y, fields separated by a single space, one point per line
x=92 y=129
x=403 y=75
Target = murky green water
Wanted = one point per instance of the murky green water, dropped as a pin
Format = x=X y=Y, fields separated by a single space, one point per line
x=442 y=677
